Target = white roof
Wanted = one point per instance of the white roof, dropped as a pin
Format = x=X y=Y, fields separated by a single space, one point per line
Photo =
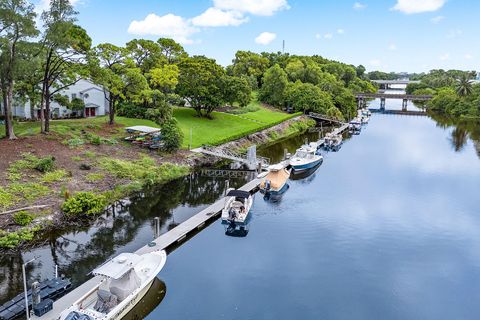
x=143 y=129
x=118 y=266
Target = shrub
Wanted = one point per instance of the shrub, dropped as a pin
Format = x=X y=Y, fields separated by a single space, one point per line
x=13 y=239
x=94 y=177
x=74 y=142
x=87 y=203
x=23 y=218
x=172 y=136
x=46 y=164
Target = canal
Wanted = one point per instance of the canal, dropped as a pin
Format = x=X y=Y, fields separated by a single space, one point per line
x=387 y=228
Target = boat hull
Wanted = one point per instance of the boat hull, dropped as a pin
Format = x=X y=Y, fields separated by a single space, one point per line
x=306 y=166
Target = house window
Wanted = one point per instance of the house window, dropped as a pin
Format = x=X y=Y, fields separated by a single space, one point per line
x=74 y=95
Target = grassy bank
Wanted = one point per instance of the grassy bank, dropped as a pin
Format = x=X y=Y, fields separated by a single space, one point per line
x=222 y=128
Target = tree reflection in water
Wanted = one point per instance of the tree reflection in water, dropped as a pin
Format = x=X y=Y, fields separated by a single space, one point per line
x=126 y=226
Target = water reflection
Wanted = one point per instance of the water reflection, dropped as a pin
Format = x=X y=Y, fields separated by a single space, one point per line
x=126 y=227
x=149 y=302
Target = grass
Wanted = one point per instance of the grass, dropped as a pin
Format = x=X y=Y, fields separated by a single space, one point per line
x=222 y=128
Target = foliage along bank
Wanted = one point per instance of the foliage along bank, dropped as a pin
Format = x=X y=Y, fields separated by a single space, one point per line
x=454 y=93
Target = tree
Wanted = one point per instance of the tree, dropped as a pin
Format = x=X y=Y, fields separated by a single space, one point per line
x=275 y=82
x=250 y=64
x=16 y=24
x=65 y=46
x=200 y=83
x=172 y=136
x=308 y=97
x=172 y=50
x=360 y=71
x=164 y=78
x=464 y=86
x=107 y=64
x=236 y=89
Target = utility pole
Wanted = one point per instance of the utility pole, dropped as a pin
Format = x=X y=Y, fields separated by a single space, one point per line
x=283 y=46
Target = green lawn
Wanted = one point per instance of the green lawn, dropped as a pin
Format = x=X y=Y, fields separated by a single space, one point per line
x=222 y=128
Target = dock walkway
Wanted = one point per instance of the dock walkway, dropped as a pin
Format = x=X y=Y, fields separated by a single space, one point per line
x=163 y=242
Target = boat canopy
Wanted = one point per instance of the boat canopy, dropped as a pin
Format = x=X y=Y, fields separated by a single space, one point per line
x=238 y=194
x=118 y=266
x=142 y=129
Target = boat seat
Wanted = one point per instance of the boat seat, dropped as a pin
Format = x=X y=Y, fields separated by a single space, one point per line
x=106 y=301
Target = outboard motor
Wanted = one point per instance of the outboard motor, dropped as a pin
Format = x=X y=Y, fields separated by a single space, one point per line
x=268 y=186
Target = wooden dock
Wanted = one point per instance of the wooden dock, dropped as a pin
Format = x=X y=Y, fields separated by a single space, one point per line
x=165 y=241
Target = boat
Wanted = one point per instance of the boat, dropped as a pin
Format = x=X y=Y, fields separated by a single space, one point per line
x=355 y=126
x=237 y=207
x=332 y=141
x=306 y=157
x=123 y=281
x=364 y=119
x=48 y=291
x=274 y=181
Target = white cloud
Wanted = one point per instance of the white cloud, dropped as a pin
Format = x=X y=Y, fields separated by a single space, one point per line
x=375 y=63
x=454 y=33
x=168 y=25
x=255 y=7
x=444 y=57
x=318 y=35
x=265 y=38
x=392 y=47
x=468 y=56
x=214 y=17
x=418 y=6
x=340 y=31
x=359 y=6
x=437 y=19
x=328 y=36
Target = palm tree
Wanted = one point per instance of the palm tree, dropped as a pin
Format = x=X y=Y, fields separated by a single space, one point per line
x=464 y=86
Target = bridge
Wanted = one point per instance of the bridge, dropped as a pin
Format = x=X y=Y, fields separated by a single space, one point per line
x=400 y=112
x=385 y=84
x=384 y=96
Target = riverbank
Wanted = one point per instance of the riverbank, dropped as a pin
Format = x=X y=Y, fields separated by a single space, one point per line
x=96 y=173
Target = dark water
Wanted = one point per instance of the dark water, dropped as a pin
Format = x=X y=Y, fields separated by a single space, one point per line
x=386 y=228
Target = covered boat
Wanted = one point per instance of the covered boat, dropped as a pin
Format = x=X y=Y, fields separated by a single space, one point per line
x=123 y=281
x=333 y=141
x=275 y=180
x=305 y=158
x=355 y=126
x=237 y=207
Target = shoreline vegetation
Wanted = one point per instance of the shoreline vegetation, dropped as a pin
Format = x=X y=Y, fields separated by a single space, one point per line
x=66 y=177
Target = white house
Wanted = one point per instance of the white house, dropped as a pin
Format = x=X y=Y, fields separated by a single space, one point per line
x=96 y=104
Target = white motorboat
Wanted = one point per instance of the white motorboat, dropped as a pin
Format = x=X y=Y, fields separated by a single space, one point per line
x=122 y=282
x=355 y=126
x=305 y=158
x=275 y=180
x=237 y=206
x=332 y=141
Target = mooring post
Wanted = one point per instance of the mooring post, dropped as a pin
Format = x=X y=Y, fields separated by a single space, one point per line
x=157 y=227
x=227 y=186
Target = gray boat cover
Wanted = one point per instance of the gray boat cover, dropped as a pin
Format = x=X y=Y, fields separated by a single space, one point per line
x=106 y=301
x=125 y=285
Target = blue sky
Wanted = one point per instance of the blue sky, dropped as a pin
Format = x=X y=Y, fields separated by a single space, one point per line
x=390 y=35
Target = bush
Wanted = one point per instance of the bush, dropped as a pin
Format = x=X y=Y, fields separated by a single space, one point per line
x=54 y=176
x=46 y=164
x=87 y=203
x=172 y=136
x=13 y=239
x=23 y=218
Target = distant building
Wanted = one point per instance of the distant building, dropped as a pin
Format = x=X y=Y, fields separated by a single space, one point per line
x=478 y=76
x=96 y=104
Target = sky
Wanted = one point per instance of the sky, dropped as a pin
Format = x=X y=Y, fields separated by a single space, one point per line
x=387 y=35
